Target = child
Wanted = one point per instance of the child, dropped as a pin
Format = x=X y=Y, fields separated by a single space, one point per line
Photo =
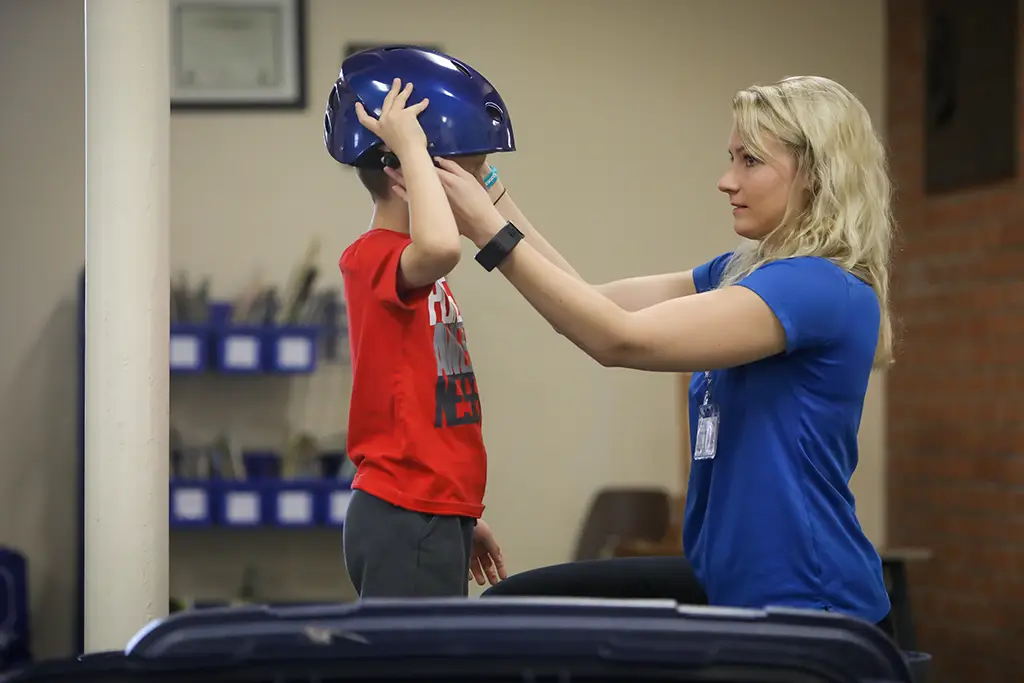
x=413 y=525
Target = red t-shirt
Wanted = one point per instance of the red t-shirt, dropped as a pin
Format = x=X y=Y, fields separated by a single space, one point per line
x=414 y=422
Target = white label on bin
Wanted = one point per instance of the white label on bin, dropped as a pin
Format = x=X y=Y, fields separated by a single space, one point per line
x=294 y=507
x=184 y=351
x=339 y=505
x=241 y=353
x=294 y=353
x=243 y=508
x=190 y=504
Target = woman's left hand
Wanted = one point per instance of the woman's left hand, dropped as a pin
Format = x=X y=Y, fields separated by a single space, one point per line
x=475 y=213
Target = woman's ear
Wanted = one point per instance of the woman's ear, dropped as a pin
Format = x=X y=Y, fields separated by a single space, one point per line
x=804 y=182
x=807 y=173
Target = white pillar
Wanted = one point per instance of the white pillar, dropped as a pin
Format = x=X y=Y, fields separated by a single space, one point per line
x=127 y=112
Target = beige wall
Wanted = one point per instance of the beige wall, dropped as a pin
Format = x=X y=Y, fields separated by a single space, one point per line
x=621 y=113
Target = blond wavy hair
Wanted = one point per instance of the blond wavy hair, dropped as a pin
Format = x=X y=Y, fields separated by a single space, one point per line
x=847 y=217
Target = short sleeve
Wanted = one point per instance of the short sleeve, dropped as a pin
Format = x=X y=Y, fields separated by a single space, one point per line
x=375 y=259
x=707 y=275
x=810 y=297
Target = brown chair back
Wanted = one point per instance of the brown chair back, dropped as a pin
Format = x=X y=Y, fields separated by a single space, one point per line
x=623 y=514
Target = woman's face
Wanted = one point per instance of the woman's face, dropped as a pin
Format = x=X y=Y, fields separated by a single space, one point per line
x=758 y=189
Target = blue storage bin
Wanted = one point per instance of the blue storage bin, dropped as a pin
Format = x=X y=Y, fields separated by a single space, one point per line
x=331 y=463
x=241 y=503
x=240 y=350
x=193 y=503
x=291 y=349
x=251 y=349
x=261 y=465
x=294 y=502
x=190 y=347
x=334 y=497
x=15 y=634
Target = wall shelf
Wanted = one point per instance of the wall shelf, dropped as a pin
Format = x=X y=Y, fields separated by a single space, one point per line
x=294 y=503
x=221 y=347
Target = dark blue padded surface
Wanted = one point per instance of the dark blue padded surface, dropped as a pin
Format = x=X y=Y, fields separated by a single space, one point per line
x=616 y=633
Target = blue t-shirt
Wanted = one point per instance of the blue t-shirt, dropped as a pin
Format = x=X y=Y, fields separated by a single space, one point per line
x=770 y=520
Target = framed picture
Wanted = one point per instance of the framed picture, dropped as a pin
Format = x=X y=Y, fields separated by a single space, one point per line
x=971 y=112
x=238 y=54
x=353 y=48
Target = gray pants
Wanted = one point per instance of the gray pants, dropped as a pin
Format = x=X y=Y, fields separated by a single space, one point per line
x=391 y=552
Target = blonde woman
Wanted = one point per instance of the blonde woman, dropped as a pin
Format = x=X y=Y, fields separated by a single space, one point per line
x=781 y=336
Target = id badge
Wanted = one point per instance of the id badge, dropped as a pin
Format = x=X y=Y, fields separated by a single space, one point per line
x=707 y=433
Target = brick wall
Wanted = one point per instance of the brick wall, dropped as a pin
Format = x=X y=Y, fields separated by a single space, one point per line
x=956 y=394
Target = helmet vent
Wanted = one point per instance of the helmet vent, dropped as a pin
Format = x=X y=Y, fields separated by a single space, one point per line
x=463 y=68
x=495 y=111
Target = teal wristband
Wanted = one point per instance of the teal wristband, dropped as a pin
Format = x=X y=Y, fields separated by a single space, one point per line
x=491 y=178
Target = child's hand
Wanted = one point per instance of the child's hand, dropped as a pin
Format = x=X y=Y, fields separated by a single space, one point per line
x=397 y=126
x=486 y=565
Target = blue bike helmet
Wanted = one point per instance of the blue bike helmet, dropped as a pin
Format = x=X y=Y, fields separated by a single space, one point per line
x=466 y=114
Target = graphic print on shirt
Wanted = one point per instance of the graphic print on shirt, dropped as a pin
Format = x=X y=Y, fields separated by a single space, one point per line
x=457 y=401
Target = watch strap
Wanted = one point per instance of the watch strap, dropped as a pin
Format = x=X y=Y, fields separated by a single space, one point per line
x=499 y=247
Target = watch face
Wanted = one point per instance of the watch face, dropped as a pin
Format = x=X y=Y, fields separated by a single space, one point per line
x=510 y=237
x=510 y=234
x=495 y=251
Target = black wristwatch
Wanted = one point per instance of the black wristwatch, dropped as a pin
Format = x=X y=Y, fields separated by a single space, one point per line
x=499 y=247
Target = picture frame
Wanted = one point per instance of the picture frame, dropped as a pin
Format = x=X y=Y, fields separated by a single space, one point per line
x=236 y=55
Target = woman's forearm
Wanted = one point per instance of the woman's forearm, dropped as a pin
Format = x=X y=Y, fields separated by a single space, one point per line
x=510 y=211
x=632 y=294
x=574 y=308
